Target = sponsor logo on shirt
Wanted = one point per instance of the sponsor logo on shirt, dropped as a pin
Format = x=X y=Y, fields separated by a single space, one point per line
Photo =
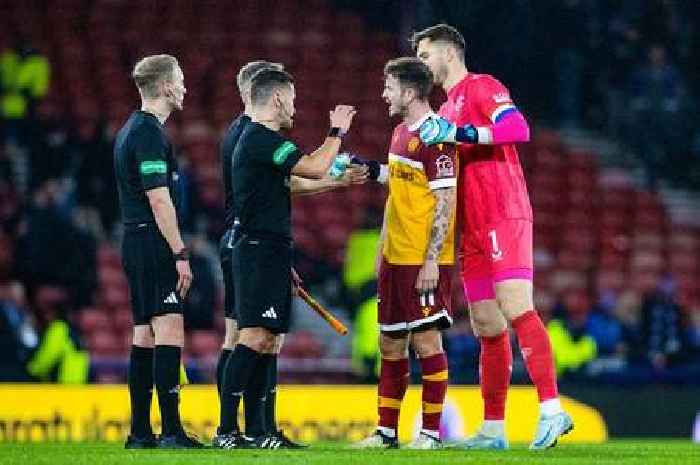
x=445 y=167
x=153 y=167
x=502 y=97
x=282 y=152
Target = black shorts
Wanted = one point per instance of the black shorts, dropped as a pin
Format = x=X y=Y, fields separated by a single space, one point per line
x=262 y=282
x=151 y=273
x=225 y=253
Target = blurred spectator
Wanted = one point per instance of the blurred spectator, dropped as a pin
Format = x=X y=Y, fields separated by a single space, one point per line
x=360 y=295
x=627 y=312
x=18 y=337
x=462 y=349
x=365 y=342
x=59 y=356
x=96 y=186
x=693 y=333
x=359 y=273
x=620 y=52
x=655 y=94
x=24 y=79
x=604 y=327
x=201 y=298
x=573 y=347
x=52 y=250
x=661 y=326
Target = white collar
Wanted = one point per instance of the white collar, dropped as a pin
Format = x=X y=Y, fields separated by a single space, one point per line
x=415 y=126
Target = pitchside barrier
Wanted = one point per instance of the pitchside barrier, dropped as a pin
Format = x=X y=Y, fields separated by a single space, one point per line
x=41 y=412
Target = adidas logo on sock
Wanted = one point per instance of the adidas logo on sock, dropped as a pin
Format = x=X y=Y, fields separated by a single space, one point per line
x=171 y=299
x=270 y=313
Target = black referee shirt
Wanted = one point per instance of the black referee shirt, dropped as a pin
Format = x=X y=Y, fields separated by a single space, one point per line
x=143 y=160
x=262 y=163
x=228 y=145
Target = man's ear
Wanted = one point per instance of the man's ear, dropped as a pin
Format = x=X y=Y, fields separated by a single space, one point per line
x=450 y=54
x=410 y=93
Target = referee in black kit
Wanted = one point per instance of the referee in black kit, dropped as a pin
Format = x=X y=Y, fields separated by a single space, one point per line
x=154 y=256
x=260 y=414
x=263 y=162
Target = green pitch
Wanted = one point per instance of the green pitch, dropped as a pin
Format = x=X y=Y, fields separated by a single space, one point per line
x=612 y=453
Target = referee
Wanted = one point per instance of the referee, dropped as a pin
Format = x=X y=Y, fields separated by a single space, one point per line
x=263 y=162
x=154 y=256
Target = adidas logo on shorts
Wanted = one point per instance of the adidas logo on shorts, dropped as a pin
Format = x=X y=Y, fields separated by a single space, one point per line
x=270 y=313
x=171 y=299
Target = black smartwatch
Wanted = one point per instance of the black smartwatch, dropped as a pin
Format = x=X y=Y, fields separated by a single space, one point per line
x=336 y=132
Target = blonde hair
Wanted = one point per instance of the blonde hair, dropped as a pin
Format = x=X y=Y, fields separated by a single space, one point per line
x=151 y=70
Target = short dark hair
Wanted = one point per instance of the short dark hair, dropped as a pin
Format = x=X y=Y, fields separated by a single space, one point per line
x=265 y=82
x=411 y=72
x=151 y=70
x=440 y=32
x=247 y=71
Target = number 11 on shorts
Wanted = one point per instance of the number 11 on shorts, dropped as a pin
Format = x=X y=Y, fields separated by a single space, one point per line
x=496 y=253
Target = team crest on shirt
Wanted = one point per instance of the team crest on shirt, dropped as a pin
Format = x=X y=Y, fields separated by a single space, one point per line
x=413 y=144
x=425 y=310
x=445 y=167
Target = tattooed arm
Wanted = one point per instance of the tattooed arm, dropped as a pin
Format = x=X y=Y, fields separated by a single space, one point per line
x=444 y=207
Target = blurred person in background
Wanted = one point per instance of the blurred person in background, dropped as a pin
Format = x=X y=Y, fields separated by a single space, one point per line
x=604 y=327
x=661 y=326
x=360 y=295
x=49 y=221
x=18 y=335
x=24 y=80
x=656 y=97
x=201 y=298
x=573 y=346
x=60 y=356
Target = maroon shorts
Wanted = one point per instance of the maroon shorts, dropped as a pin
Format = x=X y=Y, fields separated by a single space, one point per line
x=401 y=308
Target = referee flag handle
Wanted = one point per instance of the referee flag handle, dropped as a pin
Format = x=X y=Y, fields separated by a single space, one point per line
x=336 y=324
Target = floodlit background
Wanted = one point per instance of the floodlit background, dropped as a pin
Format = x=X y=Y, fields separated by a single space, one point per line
x=609 y=87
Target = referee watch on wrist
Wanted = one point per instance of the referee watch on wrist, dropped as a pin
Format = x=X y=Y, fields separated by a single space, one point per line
x=182 y=255
x=335 y=131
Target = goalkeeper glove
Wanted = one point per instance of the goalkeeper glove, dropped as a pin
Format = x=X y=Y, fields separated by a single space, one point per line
x=437 y=130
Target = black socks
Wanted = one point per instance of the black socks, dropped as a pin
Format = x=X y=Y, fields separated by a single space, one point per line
x=237 y=375
x=167 y=379
x=220 y=367
x=271 y=394
x=140 y=380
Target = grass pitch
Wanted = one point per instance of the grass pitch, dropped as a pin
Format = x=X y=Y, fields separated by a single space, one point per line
x=617 y=452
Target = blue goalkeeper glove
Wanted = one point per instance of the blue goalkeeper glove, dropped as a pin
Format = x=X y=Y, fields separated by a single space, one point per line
x=437 y=130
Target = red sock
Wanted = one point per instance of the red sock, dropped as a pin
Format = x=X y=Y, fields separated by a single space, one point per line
x=434 y=369
x=495 y=366
x=537 y=353
x=393 y=381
